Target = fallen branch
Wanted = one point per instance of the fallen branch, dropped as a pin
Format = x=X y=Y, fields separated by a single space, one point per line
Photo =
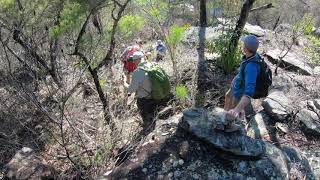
x=266 y=6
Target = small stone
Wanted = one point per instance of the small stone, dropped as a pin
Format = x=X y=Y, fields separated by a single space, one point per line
x=144 y=170
x=242 y=166
x=170 y=175
x=177 y=174
x=150 y=166
x=171 y=160
x=181 y=162
x=195 y=176
x=175 y=164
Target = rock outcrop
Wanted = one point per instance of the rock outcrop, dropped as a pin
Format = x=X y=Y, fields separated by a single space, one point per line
x=277 y=105
x=27 y=165
x=310 y=121
x=290 y=61
x=254 y=30
x=200 y=123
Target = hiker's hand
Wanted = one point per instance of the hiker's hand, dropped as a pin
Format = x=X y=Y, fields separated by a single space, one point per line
x=234 y=112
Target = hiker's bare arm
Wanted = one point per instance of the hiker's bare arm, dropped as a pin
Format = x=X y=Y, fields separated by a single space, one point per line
x=245 y=101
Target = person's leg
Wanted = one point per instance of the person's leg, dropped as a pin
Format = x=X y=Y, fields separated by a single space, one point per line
x=147 y=109
x=249 y=112
x=229 y=100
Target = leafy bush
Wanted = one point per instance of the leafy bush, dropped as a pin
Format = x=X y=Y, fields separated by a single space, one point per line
x=181 y=92
x=130 y=24
x=7 y=3
x=227 y=61
x=314 y=50
x=175 y=35
x=69 y=19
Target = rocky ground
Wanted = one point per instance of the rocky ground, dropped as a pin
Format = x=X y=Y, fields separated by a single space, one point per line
x=280 y=142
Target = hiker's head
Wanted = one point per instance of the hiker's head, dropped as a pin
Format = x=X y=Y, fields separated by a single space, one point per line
x=250 y=44
x=137 y=57
x=159 y=42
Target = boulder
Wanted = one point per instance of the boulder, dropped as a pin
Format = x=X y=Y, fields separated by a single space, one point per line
x=273 y=165
x=258 y=126
x=282 y=83
x=310 y=122
x=200 y=123
x=254 y=29
x=313 y=161
x=316 y=32
x=298 y=163
x=192 y=34
x=283 y=28
x=277 y=105
x=291 y=61
x=316 y=70
x=26 y=165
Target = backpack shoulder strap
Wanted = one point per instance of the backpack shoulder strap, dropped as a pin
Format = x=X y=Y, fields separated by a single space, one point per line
x=259 y=62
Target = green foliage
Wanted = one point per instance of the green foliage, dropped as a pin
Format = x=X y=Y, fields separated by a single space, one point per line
x=174 y=38
x=156 y=9
x=305 y=25
x=181 y=92
x=313 y=51
x=102 y=82
x=175 y=35
x=130 y=24
x=227 y=61
x=70 y=19
x=6 y=4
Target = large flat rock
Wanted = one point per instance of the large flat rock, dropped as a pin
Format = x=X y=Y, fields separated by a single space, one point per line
x=192 y=34
x=310 y=122
x=27 y=165
x=258 y=126
x=200 y=123
x=254 y=29
x=277 y=105
x=291 y=61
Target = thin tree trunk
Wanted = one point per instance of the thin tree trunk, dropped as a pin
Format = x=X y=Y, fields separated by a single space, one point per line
x=200 y=94
x=203 y=13
x=112 y=45
x=240 y=25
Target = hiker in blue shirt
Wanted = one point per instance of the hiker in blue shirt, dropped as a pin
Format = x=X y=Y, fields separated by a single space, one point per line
x=243 y=86
x=161 y=50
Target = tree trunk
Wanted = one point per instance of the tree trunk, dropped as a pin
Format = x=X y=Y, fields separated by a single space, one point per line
x=203 y=13
x=240 y=25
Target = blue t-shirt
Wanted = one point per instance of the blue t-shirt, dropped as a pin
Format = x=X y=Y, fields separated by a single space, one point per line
x=246 y=85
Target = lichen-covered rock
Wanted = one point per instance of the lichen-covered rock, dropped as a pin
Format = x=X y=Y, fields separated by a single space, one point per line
x=254 y=29
x=273 y=165
x=298 y=163
x=310 y=121
x=291 y=61
x=200 y=123
x=26 y=165
x=316 y=70
x=258 y=126
x=277 y=105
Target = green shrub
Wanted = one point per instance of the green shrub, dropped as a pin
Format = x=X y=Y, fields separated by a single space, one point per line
x=227 y=61
x=130 y=24
x=313 y=51
x=181 y=92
